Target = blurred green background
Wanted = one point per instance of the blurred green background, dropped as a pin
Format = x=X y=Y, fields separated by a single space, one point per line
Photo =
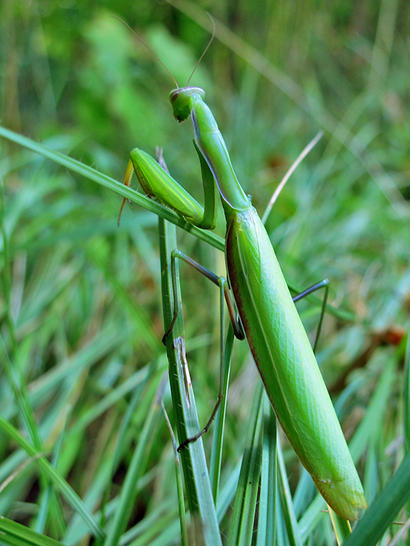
x=80 y=304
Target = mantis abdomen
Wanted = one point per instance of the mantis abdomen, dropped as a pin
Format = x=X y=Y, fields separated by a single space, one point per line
x=287 y=364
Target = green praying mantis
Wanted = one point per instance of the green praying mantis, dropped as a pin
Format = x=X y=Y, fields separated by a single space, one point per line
x=268 y=318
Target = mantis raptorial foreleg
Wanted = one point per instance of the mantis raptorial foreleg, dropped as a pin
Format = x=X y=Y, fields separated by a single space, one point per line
x=220 y=280
x=324 y=283
x=215 y=279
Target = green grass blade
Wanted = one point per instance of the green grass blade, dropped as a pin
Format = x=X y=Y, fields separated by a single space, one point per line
x=198 y=488
x=227 y=492
x=384 y=509
x=54 y=477
x=48 y=495
x=134 y=384
x=217 y=440
x=406 y=396
x=269 y=478
x=242 y=523
x=369 y=426
x=287 y=503
x=19 y=389
x=181 y=501
x=108 y=182
x=121 y=443
x=135 y=469
x=141 y=200
x=162 y=517
x=105 y=340
x=15 y=533
x=180 y=485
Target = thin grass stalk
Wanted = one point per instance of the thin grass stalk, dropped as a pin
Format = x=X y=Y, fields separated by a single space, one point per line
x=340 y=526
x=180 y=485
x=242 y=522
x=135 y=469
x=269 y=491
x=292 y=526
x=204 y=523
x=47 y=497
x=16 y=534
x=217 y=440
x=60 y=484
x=384 y=509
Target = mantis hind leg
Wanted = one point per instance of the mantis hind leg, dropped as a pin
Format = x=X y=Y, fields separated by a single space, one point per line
x=224 y=296
x=317 y=286
x=237 y=327
x=215 y=279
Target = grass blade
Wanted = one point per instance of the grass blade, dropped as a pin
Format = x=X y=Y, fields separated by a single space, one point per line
x=15 y=533
x=54 y=477
x=383 y=510
x=217 y=440
x=287 y=503
x=242 y=523
x=269 y=479
x=141 y=200
x=108 y=182
x=135 y=469
x=406 y=395
x=196 y=477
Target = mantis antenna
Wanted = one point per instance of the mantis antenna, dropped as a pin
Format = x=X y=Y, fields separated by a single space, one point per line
x=211 y=39
x=149 y=48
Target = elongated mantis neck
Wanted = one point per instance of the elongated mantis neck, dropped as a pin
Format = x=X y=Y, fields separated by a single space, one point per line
x=189 y=101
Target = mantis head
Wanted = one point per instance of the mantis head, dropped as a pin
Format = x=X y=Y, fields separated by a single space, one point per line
x=182 y=99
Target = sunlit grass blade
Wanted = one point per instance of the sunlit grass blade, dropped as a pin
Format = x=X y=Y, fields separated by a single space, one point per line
x=203 y=524
x=135 y=469
x=287 y=502
x=243 y=517
x=15 y=534
x=141 y=200
x=406 y=396
x=269 y=491
x=218 y=435
x=384 y=509
x=45 y=467
x=113 y=185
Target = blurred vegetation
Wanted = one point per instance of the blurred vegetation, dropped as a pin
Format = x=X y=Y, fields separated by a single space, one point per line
x=80 y=316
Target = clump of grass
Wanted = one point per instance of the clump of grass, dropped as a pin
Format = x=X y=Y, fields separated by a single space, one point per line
x=84 y=447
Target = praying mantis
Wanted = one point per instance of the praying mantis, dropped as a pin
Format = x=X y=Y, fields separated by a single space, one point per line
x=268 y=318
